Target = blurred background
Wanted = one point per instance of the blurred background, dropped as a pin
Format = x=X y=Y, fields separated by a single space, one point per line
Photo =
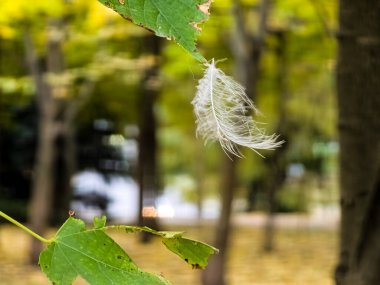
x=96 y=117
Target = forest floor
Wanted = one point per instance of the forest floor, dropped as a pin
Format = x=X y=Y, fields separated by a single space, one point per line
x=305 y=254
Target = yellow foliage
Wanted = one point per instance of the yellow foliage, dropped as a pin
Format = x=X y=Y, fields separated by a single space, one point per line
x=12 y=11
x=6 y=32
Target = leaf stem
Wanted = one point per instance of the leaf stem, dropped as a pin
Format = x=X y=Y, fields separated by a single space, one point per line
x=29 y=231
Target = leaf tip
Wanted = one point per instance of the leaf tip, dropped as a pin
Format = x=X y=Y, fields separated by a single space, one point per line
x=99 y=222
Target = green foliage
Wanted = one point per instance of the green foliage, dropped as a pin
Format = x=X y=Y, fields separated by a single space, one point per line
x=14 y=207
x=293 y=198
x=93 y=255
x=175 y=20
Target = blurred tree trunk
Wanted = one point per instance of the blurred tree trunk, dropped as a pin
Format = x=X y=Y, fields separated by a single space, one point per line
x=358 y=83
x=147 y=159
x=67 y=150
x=199 y=170
x=214 y=274
x=43 y=178
x=276 y=162
x=67 y=153
x=247 y=50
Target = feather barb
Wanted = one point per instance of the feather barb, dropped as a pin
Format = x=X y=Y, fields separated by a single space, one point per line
x=224 y=113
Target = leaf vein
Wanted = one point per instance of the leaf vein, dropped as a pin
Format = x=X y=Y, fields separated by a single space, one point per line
x=92 y=258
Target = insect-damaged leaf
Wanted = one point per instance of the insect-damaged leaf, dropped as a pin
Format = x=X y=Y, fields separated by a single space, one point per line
x=93 y=255
x=194 y=252
x=177 y=19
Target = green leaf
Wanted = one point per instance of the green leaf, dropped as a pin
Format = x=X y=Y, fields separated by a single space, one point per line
x=176 y=19
x=194 y=252
x=93 y=255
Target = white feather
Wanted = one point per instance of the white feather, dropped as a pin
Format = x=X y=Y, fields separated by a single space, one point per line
x=223 y=112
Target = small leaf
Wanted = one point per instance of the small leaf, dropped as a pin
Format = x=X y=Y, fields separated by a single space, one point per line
x=177 y=20
x=93 y=255
x=100 y=222
x=193 y=252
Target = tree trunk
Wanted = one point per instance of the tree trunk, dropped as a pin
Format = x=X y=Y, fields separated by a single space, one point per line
x=41 y=199
x=147 y=159
x=275 y=177
x=200 y=177
x=68 y=131
x=247 y=52
x=214 y=274
x=43 y=180
x=358 y=83
x=70 y=163
x=276 y=162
